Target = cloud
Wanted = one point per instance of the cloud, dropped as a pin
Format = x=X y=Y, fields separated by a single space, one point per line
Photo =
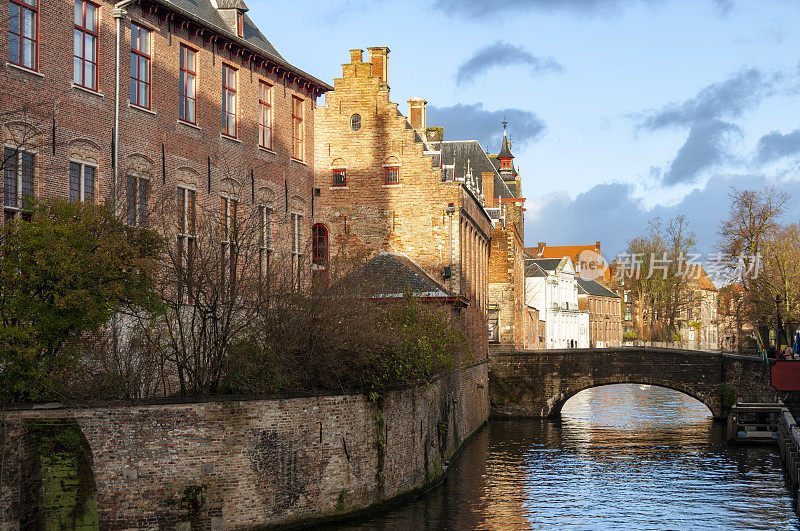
x=480 y=8
x=775 y=145
x=503 y=54
x=473 y=122
x=610 y=213
x=724 y=99
x=705 y=147
x=723 y=7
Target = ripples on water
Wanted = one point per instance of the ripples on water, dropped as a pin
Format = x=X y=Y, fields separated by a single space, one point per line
x=621 y=457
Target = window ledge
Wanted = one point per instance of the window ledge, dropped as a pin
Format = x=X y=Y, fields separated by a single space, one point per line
x=338 y=188
x=266 y=150
x=398 y=185
x=138 y=108
x=24 y=69
x=231 y=138
x=298 y=161
x=189 y=124
x=88 y=91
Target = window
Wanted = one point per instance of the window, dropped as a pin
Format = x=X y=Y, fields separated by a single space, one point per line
x=186 y=236
x=297 y=128
x=137 y=194
x=355 y=122
x=297 y=247
x=340 y=177
x=82 y=177
x=239 y=23
x=18 y=171
x=23 y=33
x=229 y=100
x=140 y=66
x=265 y=239
x=187 y=89
x=391 y=175
x=84 y=70
x=230 y=228
x=319 y=246
x=265 y=115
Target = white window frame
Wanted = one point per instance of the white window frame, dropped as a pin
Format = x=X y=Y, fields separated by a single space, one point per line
x=82 y=179
x=18 y=156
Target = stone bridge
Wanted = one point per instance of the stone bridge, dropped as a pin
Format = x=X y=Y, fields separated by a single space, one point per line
x=536 y=384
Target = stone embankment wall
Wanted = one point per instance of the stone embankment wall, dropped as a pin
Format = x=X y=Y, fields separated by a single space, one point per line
x=235 y=464
x=538 y=383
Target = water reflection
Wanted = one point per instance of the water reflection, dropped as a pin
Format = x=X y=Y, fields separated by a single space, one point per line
x=622 y=456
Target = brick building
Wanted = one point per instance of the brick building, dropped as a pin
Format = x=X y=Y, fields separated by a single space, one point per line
x=206 y=112
x=383 y=187
x=605 y=313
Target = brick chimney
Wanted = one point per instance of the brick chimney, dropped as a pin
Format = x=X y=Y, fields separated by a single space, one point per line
x=487 y=178
x=597 y=247
x=356 y=55
x=416 y=113
x=379 y=59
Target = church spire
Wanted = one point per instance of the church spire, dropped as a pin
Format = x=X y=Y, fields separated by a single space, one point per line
x=505 y=151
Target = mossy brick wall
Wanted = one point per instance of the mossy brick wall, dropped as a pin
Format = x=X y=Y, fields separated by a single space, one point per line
x=264 y=462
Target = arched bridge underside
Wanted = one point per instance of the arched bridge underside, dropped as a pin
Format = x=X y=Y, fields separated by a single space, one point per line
x=536 y=384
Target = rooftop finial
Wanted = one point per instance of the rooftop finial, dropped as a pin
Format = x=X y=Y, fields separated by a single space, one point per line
x=505 y=123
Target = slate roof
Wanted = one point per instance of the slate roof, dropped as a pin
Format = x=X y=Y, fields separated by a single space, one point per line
x=532 y=269
x=392 y=275
x=592 y=287
x=505 y=151
x=457 y=152
x=204 y=13
x=547 y=264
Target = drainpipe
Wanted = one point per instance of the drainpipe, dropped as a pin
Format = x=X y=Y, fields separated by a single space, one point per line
x=118 y=13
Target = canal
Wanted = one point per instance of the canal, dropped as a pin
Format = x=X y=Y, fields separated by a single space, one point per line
x=621 y=456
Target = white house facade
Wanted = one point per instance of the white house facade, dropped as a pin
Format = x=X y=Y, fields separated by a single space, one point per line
x=551 y=288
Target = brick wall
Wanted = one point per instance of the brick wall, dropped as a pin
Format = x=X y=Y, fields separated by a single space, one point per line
x=262 y=462
x=81 y=121
x=361 y=131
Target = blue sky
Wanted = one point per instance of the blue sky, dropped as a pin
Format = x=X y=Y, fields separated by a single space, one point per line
x=619 y=110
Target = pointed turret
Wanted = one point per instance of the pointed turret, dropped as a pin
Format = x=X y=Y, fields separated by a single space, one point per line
x=505 y=152
x=505 y=158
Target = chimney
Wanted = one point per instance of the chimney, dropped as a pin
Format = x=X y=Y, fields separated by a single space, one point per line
x=379 y=59
x=356 y=56
x=597 y=247
x=487 y=178
x=416 y=113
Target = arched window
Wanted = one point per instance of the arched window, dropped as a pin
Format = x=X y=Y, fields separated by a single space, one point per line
x=319 y=246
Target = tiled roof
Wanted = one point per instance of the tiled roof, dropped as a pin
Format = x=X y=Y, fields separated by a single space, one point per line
x=592 y=287
x=204 y=13
x=705 y=282
x=393 y=275
x=558 y=251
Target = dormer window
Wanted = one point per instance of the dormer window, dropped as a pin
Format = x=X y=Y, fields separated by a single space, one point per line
x=239 y=24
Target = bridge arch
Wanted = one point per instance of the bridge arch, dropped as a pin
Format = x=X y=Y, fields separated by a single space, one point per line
x=536 y=384
x=563 y=398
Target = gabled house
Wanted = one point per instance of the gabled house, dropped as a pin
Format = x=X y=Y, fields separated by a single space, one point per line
x=552 y=288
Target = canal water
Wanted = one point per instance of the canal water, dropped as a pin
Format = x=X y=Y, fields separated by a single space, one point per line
x=620 y=457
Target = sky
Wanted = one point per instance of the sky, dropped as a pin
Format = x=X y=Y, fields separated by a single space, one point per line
x=619 y=111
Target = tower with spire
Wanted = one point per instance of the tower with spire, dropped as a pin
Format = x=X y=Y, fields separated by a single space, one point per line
x=504 y=162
